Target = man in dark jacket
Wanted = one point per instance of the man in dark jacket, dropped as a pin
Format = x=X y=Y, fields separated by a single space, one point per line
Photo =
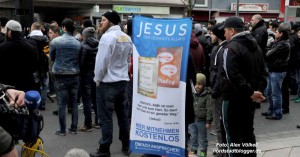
x=89 y=49
x=259 y=31
x=295 y=65
x=277 y=61
x=37 y=39
x=216 y=78
x=19 y=52
x=244 y=84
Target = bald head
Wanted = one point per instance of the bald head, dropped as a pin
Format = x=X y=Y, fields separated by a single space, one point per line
x=255 y=19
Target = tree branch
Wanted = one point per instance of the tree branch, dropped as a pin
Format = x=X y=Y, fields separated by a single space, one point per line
x=184 y=3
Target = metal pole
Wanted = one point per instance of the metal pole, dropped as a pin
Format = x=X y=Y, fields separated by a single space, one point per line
x=237 y=7
x=209 y=11
x=286 y=10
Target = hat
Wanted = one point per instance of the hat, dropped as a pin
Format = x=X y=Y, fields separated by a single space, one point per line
x=112 y=16
x=89 y=32
x=14 y=25
x=233 y=22
x=218 y=33
x=201 y=79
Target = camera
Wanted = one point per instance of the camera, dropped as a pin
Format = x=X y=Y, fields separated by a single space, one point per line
x=23 y=123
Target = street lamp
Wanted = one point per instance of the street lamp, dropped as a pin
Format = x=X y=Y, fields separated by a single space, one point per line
x=286 y=10
x=237 y=7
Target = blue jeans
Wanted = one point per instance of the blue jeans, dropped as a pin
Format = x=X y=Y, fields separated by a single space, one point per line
x=274 y=94
x=112 y=97
x=198 y=135
x=86 y=93
x=66 y=89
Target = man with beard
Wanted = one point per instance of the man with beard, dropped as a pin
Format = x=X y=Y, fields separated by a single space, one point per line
x=111 y=77
x=244 y=83
x=216 y=78
x=18 y=52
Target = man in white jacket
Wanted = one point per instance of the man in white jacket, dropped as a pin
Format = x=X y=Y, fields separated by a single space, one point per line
x=111 y=77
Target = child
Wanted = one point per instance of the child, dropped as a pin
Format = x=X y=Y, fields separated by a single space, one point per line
x=203 y=116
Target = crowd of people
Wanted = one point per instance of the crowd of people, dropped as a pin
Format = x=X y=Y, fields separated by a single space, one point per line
x=233 y=67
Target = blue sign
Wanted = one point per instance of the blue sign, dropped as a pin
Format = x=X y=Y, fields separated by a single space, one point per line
x=160 y=62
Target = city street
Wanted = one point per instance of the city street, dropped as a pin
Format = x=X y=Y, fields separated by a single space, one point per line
x=57 y=146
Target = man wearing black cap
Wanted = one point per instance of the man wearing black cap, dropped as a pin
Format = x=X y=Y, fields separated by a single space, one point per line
x=216 y=77
x=243 y=86
x=111 y=77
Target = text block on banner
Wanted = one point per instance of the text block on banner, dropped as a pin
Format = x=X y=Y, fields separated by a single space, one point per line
x=160 y=65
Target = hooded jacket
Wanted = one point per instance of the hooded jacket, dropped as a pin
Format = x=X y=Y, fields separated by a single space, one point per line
x=244 y=66
x=89 y=49
x=216 y=69
x=197 y=52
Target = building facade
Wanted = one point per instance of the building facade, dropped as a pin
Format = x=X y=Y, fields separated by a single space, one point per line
x=292 y=10
x=48 y=10
x=206 y=10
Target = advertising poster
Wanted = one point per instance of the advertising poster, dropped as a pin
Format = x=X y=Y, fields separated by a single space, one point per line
x=160 y=64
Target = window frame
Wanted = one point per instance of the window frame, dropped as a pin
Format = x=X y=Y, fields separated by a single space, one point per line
x=202 y=5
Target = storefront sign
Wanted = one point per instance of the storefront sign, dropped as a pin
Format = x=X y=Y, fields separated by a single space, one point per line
x=141 y=9
x=295 y=3
x=251 y=6
x=159 y=85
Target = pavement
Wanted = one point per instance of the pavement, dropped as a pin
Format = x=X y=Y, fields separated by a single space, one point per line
x=275 y=138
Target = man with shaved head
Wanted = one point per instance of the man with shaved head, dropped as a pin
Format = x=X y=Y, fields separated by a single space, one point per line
x=259 y=31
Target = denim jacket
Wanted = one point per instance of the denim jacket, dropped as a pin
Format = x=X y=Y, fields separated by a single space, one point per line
x=64 y=51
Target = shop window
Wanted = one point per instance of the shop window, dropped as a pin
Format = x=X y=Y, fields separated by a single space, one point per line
x=200 y=3
x=298 y=12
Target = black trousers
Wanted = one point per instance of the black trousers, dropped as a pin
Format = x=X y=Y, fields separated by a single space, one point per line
x=238 y=118
x=285 y=93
